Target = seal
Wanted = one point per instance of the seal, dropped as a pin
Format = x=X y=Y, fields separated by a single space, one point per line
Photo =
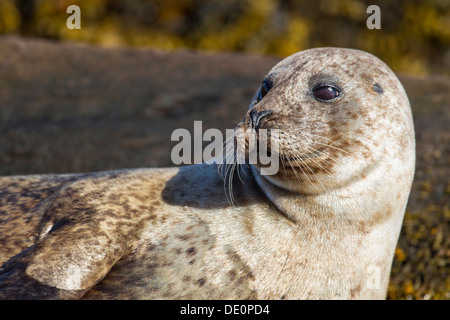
x=324 y=226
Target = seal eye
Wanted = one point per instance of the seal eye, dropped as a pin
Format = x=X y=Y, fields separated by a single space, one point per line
x=326 y=93
x=265 y=87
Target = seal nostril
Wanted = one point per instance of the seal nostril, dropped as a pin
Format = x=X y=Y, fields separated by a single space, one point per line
x=256 y=117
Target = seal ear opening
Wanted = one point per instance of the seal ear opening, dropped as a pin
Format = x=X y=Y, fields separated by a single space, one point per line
x=377 y=88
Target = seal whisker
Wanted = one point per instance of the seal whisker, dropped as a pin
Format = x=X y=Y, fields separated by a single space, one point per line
x=293 y=170
x=328 y=158
x=349 y=167
x=324 y=160
x=282 y=162
x=300 y=167
x=307 y=175
x=317 y=163
x=327 y=172
x=230 y=175
x=222 y=160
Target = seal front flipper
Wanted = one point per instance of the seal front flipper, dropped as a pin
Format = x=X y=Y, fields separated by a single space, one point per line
x=16 y=284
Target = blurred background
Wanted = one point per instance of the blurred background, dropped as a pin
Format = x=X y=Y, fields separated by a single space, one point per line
x=414 y=37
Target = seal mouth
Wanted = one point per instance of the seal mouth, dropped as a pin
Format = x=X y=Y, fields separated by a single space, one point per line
x=304 y=157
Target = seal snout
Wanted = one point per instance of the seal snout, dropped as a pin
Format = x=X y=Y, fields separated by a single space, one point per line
x=255 y=117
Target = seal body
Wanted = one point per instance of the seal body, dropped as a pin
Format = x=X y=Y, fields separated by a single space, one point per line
x=325 y=226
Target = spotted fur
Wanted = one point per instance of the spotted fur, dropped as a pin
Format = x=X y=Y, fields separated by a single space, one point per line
x=324 y=226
